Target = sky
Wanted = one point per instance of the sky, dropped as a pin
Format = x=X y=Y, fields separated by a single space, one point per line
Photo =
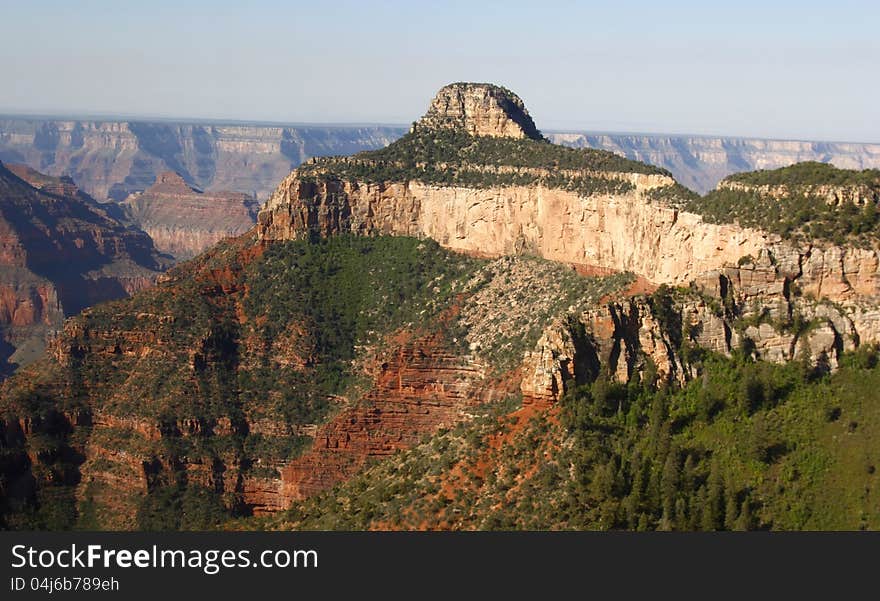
x=774 y=69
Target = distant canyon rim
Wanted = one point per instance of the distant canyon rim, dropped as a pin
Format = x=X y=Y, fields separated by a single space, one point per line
x=111 y=159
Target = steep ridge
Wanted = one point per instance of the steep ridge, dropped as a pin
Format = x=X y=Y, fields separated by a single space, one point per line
x=61 y=253
x=390 y=296
x=183 y=221
x=257 y=375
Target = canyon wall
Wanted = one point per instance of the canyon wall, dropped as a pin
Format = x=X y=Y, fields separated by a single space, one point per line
x=112 y=159
x=621 y=232
x=183 y=221
x=761 y=284
x=59 y=253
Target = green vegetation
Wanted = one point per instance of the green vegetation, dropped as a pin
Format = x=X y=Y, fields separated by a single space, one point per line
x=674 y=193
x=184 y=367
x=181 y=508
x=748 y=445
x=342 y=292
x=795 y=212
x=447 y=156
x=808 y=173
x=798 y=215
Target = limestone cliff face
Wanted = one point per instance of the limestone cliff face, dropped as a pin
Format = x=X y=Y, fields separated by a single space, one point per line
x=480 y=110
x=789 y=304
x=628 y=232
x=183 y=221
x=623 y=230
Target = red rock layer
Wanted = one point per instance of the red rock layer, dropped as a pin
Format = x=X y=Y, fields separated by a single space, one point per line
x=422 y=386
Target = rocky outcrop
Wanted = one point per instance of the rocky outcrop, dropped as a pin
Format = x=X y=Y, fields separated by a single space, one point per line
x=480 y=109
x=183 y=221
x=767 y=285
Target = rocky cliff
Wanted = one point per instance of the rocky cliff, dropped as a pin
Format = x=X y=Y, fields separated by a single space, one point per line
x=183 y=221
x=60 y=253
x=643 y=224
x=480 y=110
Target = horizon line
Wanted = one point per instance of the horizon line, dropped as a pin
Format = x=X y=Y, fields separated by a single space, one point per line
x=121 y=117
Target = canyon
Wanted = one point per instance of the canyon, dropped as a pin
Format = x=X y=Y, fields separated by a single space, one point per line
x=111 y=159
x=383 y=299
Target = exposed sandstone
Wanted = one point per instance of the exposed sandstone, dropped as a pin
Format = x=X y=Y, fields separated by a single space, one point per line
x=183 y=221
x=480 y=109
x=628 y=232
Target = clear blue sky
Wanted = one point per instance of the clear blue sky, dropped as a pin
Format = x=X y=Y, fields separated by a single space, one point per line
x=805 y=70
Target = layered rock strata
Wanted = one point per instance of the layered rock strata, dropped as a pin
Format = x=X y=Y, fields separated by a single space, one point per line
x=60 y=252
x=183 y=221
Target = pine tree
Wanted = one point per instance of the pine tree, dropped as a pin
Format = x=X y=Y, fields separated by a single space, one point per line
x=696 y=509
x=712 y=516
x=688 y=476
x=744 y=521
x=681 y=514
x=731 y=512
x=669 y=482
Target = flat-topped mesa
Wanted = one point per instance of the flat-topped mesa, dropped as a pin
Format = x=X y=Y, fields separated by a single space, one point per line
x=480 y=109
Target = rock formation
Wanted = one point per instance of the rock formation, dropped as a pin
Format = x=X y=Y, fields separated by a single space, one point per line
x=638 y=228
x=480 y=110
x=60 y=253
x=183 y=221
x=242 y=378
